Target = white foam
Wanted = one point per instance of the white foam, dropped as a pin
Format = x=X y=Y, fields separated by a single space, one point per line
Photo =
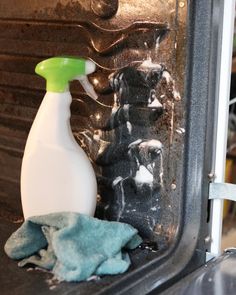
x=149 y=64
x=129 y=126
x=151 y=143
x=167 y=76
x=151 y=166
x=155 y=104
x=115 y=105
x=136 y=142
x=173 y=186
x=117 y=180
x=157 y=42
x=143 y=176
x=126 y=107
x=176 y=95
x=180 y=130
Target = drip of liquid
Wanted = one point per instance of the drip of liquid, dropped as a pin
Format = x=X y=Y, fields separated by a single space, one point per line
x=129 y=127
x=118 y=181
x=115 y=105
x=161 y=170
x=157 y=43
x=172 y=122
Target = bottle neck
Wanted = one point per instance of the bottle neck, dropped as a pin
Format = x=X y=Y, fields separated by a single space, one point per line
x=52 y=122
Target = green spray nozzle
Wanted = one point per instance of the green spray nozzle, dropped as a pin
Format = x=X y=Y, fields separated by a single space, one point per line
x=59 y=71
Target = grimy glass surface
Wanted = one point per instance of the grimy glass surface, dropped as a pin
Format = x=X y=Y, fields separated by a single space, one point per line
x=134 y=133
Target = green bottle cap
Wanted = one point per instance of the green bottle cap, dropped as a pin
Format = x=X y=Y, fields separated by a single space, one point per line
x=59 y=71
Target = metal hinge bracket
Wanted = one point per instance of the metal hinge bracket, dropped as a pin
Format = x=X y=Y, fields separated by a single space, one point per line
x=222 y=191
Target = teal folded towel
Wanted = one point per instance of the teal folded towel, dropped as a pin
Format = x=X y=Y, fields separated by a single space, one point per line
x=73 y=246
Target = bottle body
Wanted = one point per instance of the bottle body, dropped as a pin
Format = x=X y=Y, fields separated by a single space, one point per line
x=56 y=175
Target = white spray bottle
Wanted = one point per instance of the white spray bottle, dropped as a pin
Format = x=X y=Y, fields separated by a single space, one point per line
x=56 y=175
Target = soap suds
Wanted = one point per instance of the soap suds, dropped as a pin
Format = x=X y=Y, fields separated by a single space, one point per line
x=93 y=278
x=53 y=282
x=151 y=143
x=129 y=127
x=180 y=130
x=126 y=107
x=155 y=104
x=143 y=176
x=157 y=43
x=126 y=113
x=149 y=64
x=115 y=105
x=119 y=181
x=176 y=95
x=167 y=76
x=173 y=186
x=151 y=166
x=136 y=142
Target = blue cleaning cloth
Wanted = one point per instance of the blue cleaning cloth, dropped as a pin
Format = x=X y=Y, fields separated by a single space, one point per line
x=73 y=246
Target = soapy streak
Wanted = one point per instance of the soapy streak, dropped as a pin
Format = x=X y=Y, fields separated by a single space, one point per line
x=172 y=122
x=157 y=43
x=148 y=64
x=151 y=143
x=129 y=127
x=115 y=104
x=119 y=181
x=167 y=76
x=180 y=130
x=145 y=174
